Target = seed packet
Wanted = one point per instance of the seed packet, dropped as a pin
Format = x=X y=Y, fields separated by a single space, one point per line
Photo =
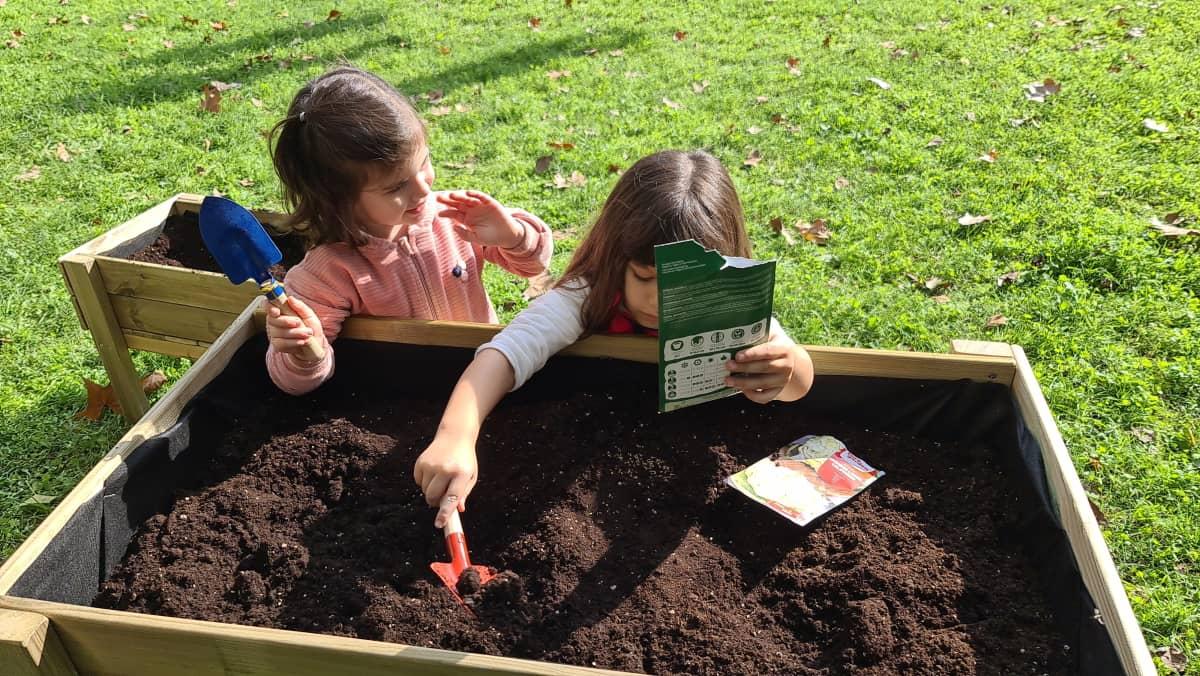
x=805 y=479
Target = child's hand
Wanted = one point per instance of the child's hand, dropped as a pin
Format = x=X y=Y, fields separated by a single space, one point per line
x=776 y=369
x=488 y=223
x=292 y=334
x=446 y=472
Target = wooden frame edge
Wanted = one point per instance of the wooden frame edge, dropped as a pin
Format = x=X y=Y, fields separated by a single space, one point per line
x=29 y=646
x=1092 y=555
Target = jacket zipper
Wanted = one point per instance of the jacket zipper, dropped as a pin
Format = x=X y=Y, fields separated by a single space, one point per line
x=420 y=276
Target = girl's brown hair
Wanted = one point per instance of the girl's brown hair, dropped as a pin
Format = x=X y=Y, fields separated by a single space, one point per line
x=665 y=197
x=339 y=128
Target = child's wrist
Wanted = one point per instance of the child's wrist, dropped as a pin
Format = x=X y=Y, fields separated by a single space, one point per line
x=522 y=230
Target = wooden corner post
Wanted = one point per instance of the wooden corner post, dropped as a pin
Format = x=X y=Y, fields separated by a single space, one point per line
x=87 y=287
x=30 y=647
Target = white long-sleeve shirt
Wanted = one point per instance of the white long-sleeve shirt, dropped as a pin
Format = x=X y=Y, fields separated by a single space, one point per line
x=552 y=322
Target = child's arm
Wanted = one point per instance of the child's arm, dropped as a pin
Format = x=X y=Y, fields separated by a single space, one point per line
x=515 y=240
x=318 y=304
x=446 y=471
x=778 y=369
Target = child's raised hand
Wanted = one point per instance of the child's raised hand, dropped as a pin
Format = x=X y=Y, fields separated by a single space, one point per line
x=292 y=334
x=776 y=369
x=487 y=222
x=446 y=472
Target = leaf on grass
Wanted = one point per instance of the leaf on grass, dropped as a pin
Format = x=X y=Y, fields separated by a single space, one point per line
x=995 y=321
x=617 y=52
x=753 y=159
x=469 y=164
x=793 y=65
x=671 y=104
x=940 y=299
x=168 y=44
x=575 y=180
x=151 y=382
x=841 y=183
x=816 y=232
x=62 y=153
x=1154 y=125
x=85 y=19
x=34 y=173
x=562 y=145
x=759 y=100
x=699 y=87
x=538 y=285
x=936 y=285
x=334 y=15
x=257 y=103
x=614 y=168
x=1100 y=518
x=1135 y=33
x=1171 y=226
x=245 y=182
x=128 y=27
x=1008 y=278
x=219 y=26
x=432 y=96
x=99 y=397
x=990 y=156
x=879 y=83
x=754 y=130
x=210 y=99
x=934 y=142
x=440 y=111
x=680 y=36
x=969 y=116
x=968 y=219
x=38 y=500
x=189 y=21
x=542 y=165
x=826 y=41
x=558 y=74
x=1143 y=434
x=535 y=23
x=1172 y=658
x=1038 y=91
x=786 y=233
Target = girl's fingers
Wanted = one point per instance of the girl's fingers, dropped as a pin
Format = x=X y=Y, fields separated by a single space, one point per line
x=465 y=233
x=483 y=198
x=435 y=489
x=757 y=382
x=289 y=345
x=761 y=352
x=760 y=366
x=450 y=502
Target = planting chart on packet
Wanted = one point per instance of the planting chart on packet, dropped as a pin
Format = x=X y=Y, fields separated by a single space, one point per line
x=709 y=307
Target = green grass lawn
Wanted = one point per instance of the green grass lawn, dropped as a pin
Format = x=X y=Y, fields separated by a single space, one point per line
x=1105 y=306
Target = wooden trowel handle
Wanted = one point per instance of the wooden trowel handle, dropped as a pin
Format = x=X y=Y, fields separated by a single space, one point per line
x=314 y=350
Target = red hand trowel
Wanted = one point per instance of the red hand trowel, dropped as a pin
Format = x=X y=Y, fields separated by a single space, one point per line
x=245 y=251
x=460 y=562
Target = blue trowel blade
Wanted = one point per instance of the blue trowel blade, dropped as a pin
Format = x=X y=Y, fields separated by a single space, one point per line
x=235 y=238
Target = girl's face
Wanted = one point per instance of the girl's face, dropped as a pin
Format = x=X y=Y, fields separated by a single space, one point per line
x=392 y=200
x=641 y=294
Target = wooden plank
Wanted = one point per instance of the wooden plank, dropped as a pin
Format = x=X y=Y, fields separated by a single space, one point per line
x=113 y=642
x=988 y=347
x=139 y=230
x=168 y=345
x=170 y=319
x=162 y=415
x=1087 y=542
x=29 y=646
x=181 y=286
x=88 y=289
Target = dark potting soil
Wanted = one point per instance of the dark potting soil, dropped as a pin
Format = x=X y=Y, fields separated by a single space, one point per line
x=180 y=245
x=620 y=545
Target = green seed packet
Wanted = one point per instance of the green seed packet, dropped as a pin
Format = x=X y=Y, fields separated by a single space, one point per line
x=709 y=308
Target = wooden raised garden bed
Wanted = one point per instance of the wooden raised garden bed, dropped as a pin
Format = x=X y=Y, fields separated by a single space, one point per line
x=977 y=553
x=175 y=307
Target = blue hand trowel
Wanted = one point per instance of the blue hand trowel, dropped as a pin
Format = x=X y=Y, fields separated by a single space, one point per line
x=245 y=252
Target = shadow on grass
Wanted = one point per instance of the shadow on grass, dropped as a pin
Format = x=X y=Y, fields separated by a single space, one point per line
x=179 y=73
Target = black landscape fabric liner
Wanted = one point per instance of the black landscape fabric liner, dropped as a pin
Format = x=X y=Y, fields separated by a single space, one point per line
x=93 y=542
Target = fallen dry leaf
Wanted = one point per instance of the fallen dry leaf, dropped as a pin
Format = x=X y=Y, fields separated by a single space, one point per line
x=680 y=36
x=759 y=100
x=1008 y=278
x=968 y=219
x=753 y=159
x=793 y=65
x=754 y=130
x=576 y=179
x=617 y=52
x=562 y=145
x=469 y=164
x=439 y=111
x=995 y=320
x=1154 y=125
x=34 y=173
x=334 y=15
x=786 y=233
x=1096 y=513
x=614 y=168
x=542 y=165
x=461 y=108
x=168 y=44
x=257 y=103
x=189 y=21
x=826 y=41
x=816 y=232
x=671 y=104
x=935 y=285
x=153 y=381
x=127 y=27
x=969 y=116
x=1038 y=91
x=433 y=95
x=210 y=99
x=1172 y=658
x=245 y=182
x=989 y=157
x=879 y=83
x=1171 y=226
x=219 y=26
x=99 y=397
x=85 y=19
x=941 y=299
x=934 y=142
x=538 y=285
x=535 y=23
x=1135 y=33
x=558 y=74
x=841 y=183
x=1144 y=435
x=699 y=87
x=62 y=153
